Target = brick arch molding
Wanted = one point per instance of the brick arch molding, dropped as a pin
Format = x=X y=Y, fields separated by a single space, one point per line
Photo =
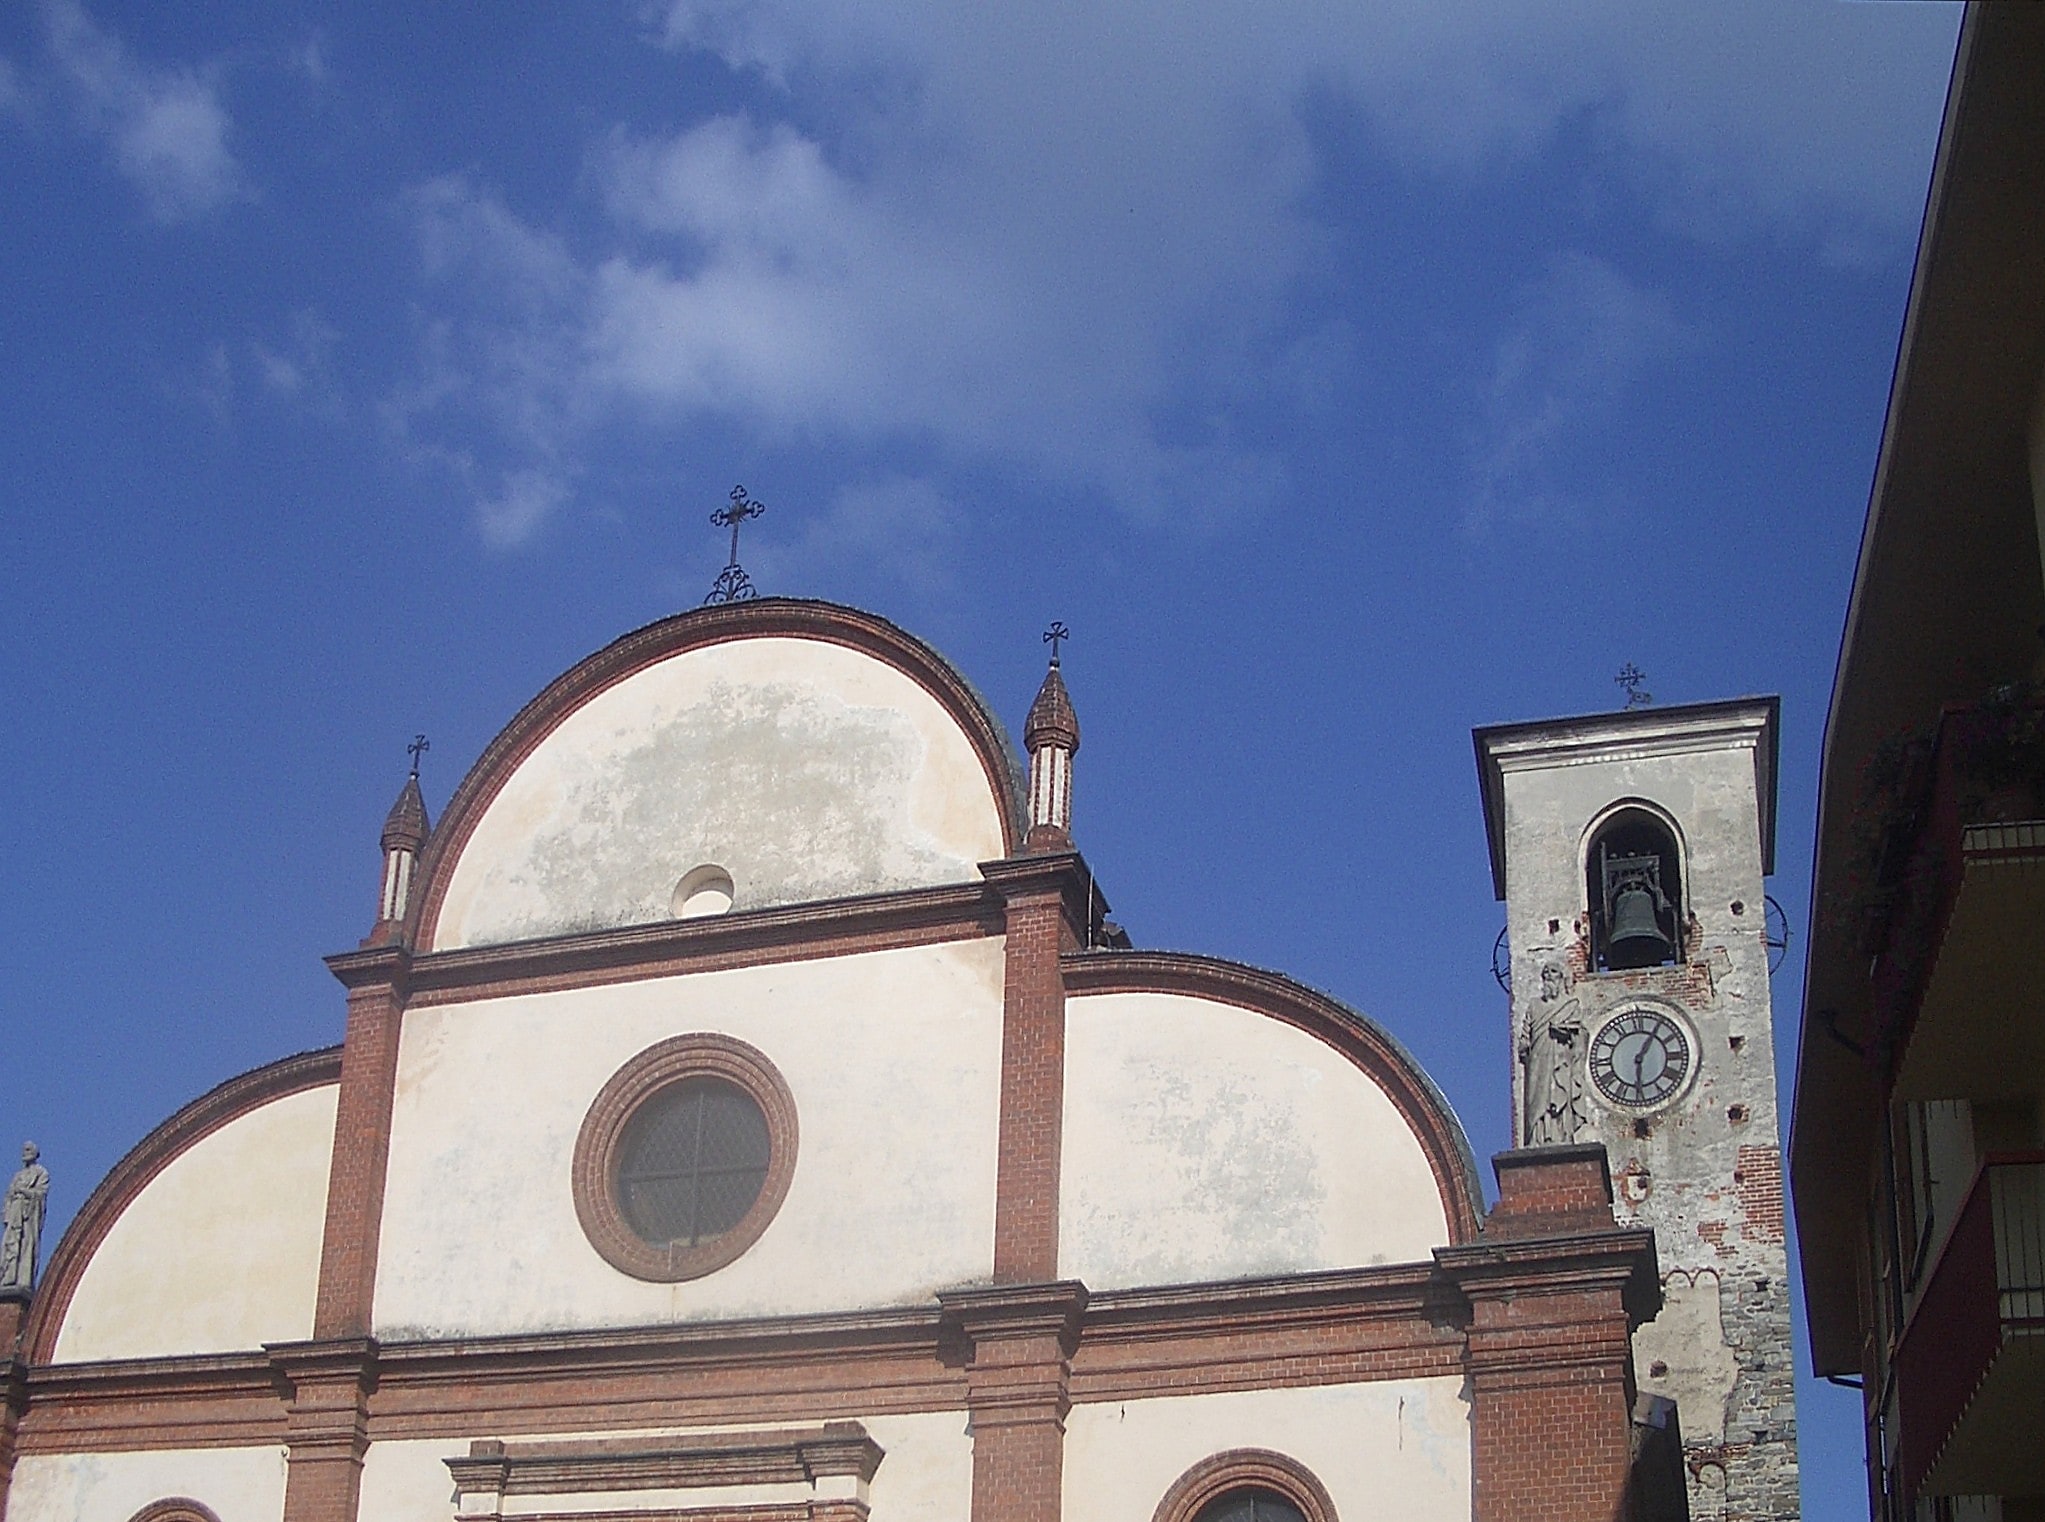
x=1214 y=1477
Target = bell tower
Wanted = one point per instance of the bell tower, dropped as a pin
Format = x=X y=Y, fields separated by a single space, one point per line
x=1630 y=850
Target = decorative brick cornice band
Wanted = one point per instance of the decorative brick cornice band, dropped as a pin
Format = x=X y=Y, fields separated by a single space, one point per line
x=1362 y=1040
x=1349 y=1326
x=670 y=948
x=772 y=1457
x=145 y=1160
x=764 y=618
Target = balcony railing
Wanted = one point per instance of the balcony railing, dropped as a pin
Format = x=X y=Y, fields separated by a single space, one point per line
x=1968 y=1370
x=1971 y=799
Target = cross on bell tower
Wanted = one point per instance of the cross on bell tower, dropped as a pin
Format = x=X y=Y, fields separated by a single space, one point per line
x=732 y=584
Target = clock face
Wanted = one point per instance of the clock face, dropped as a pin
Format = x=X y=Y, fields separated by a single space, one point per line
x=1640 y=1058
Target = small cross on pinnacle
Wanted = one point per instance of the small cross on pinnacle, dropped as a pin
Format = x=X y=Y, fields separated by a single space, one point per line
x=1630 y=677
x=419 y=746
x=733 y=585
x=1053 y=635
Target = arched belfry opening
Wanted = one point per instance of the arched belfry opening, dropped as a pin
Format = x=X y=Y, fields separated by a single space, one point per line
x=1634 y=887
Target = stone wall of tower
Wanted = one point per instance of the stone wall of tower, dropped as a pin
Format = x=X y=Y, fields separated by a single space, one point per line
x=1703 y=1168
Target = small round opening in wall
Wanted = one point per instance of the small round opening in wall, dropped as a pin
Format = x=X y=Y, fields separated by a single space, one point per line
x=685 y=1157
x=706 y=891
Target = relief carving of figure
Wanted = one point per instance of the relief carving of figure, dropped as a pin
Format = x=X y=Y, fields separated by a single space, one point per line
x=1553 y=1057
x=21 y=1237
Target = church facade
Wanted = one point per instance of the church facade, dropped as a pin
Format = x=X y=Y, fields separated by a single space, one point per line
x=745 y=1112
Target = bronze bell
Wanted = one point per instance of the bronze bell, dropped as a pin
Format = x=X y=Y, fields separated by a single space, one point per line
x=1636 y=938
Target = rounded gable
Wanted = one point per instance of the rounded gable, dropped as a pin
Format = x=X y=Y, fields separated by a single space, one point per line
x=212 y=1139
x=798 y=751
x=1417 y=1113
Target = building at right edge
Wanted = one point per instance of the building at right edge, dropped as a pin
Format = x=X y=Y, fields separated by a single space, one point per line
x=1917 y=1172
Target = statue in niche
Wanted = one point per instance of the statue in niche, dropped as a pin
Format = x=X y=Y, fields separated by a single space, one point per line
x=1553 y=1057
x=21 y=1237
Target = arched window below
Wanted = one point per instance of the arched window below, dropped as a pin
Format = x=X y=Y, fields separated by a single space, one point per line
x=1246 y=1485
x=175 y=1509
x=1249 y=1503
x=1634 y=886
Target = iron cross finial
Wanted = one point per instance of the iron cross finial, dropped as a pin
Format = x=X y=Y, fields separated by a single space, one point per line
x=419 y=746
x=1053 y=635
x=1630 y=677
x=733 y=585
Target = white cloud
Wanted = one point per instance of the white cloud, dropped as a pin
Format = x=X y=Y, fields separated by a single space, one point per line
x=164 y=128
x=525 y=500
x=1068 y=242
x=1581 y=335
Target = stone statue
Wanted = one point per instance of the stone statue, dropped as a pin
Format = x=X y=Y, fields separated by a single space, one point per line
x=1553 y=1056
x=21 y=1237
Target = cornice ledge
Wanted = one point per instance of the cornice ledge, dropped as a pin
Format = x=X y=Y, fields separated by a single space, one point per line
x=665 y=946
x=1621 y=1258
x=140 y=1378
x=1064 y=873
x=373 y=967
x=982 y=1311
x=1391 y=1289
x=665 y=1343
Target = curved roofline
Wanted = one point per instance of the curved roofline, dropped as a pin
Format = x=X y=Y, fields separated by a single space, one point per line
x=1356 y=1036
x=761 y=618
x=145 y=1160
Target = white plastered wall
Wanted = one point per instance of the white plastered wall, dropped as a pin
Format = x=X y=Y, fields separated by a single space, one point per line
x=806 y=770
x=925 y=1474
x=221 y=1250
x=1391 y=1451
x=239 y=1484
x=1206 y=1141
x=893 y=1059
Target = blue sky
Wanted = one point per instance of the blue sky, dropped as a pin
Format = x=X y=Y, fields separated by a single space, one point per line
x=1345 y=376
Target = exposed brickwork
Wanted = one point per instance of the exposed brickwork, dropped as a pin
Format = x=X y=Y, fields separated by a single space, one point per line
x=362 y=1126
x=1548 y=1347
x=1020 y=1343
x=1040 y=928
x=1758 y=1180
x=326 y=1425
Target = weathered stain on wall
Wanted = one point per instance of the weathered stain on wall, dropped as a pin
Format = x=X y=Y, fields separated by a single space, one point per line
x=236 y=1483
x=893 y=1059
x=806 y=771
x=1204 y=1141
x=1397 y=1450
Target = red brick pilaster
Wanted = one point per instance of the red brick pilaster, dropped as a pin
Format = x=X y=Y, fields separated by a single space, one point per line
x=375 y=979
x=1020 y=1342
x=1555 y=1289
x=1048 y=902
x=326 y=1425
